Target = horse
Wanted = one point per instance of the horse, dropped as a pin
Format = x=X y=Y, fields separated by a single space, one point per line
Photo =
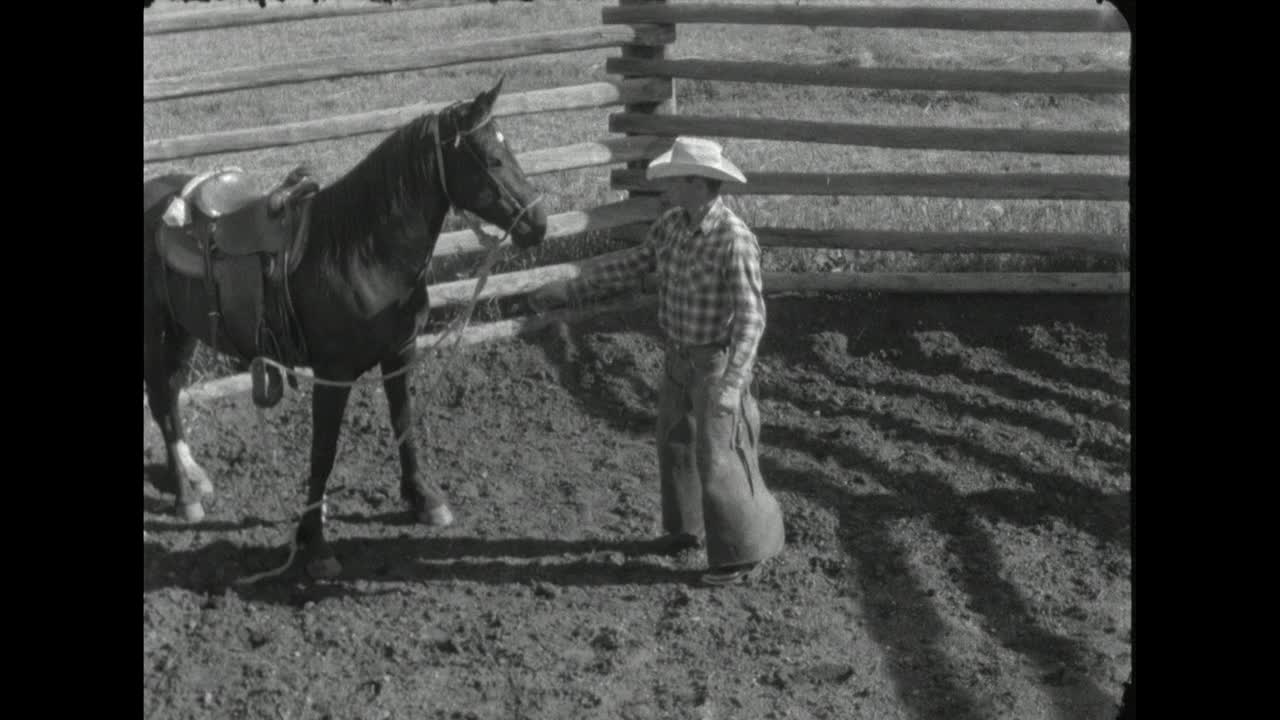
x=328 y=278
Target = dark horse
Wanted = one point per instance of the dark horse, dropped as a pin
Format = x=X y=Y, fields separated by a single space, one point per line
x=355 y=286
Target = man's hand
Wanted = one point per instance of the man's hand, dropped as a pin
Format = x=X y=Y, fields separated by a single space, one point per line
x=725 y=398
x=553 y=294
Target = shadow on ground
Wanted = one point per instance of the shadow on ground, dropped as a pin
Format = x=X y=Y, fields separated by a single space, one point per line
x=1029 y=358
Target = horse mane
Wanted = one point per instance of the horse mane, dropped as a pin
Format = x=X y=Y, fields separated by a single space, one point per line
x=389 y=188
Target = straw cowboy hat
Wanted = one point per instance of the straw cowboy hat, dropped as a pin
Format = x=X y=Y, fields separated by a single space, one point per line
x=694 y=156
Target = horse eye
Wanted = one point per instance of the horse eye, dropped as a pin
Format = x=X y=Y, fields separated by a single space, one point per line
x=501 y=139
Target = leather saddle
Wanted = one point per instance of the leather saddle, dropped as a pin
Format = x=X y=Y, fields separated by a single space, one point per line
x=218 y=215
x=243 y=245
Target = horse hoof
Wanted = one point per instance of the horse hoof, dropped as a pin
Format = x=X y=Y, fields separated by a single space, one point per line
x=191 y=512
x=440 y=516
x=324 y=568
x=196 y=476
x=200 y=481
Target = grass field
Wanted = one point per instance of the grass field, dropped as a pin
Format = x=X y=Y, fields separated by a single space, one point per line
x=188 y=53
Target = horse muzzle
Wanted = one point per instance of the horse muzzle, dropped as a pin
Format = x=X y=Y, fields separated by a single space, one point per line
x=531 y=228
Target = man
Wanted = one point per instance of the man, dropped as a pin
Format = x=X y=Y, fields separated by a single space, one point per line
x=711 y=310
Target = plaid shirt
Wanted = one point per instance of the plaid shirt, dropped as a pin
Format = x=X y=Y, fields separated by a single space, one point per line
x=709 y=282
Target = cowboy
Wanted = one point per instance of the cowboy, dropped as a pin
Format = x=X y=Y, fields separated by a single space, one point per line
x=711 y=311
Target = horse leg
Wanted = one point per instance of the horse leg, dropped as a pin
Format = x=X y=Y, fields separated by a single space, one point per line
x=426 y=499
x=328 y=404
x=167 y=353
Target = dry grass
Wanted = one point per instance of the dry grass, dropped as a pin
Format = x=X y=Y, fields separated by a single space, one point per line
x=173 y=55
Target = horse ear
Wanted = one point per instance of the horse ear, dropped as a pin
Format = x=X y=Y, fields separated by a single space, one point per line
x=483 y=104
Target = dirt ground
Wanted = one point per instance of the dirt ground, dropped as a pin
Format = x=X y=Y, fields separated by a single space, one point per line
x=954 y=473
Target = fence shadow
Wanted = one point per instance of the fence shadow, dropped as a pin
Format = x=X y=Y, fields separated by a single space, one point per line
x=1054 y=494
x=899 y=608
x=902 y=617
x=1009 y=376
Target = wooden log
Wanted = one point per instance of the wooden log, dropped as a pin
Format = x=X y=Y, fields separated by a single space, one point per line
x=523 y=281
x=438 y=343
x=459 y=292
x=576 y=97
x=948 y=283
x=529 y=324
x=211 y=389
x=1063 y=142
x=243 y=78
x=560 y=225
x=1042 y=186
x=206 y=20
x=591 y=154
x=995 y=81
x=1046 y=243
x=774 y=283
x=1103 y=19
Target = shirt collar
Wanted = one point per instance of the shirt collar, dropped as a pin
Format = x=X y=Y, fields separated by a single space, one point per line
x=715 y=213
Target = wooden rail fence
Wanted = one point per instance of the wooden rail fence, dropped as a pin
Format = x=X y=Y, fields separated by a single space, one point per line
x=644 y=90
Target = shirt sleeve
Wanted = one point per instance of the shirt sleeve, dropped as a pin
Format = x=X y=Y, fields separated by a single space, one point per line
x=746 y=287
x=622 y=271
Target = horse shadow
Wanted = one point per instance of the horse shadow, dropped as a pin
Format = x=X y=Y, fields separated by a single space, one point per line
x=883 y=579
x=221 y=566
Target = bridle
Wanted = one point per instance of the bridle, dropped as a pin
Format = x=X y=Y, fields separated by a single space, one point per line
x=492 y=243
x=501 y=189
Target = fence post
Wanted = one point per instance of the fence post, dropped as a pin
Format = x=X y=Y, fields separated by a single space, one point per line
x=668 y=106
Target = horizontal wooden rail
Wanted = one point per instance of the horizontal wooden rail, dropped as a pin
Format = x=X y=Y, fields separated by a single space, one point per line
x=520 y=282
x=327 y=68
x=1038 y=186
x=995 y=81
x=459 y=292
x=561 y=225
x=529 y=324
x=946 y=283
x=213 y=20
x=1102 y=19
x=590 y=154
x=1048 y=243
x=576 y=97
x=437 y=342
x=774 y=283
x=1062 y=142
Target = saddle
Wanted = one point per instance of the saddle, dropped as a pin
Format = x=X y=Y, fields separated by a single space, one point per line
x=243 y=246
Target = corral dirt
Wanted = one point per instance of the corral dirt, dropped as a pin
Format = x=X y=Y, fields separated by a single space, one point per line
x=954 y=473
